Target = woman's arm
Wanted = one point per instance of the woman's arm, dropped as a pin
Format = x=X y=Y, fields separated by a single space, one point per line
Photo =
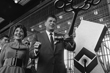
x=33 y=52
x=2 y=55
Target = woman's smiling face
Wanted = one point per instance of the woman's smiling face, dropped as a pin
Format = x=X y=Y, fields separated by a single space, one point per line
x=18 y=33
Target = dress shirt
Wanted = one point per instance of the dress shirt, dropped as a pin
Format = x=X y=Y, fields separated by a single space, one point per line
x=48 y=33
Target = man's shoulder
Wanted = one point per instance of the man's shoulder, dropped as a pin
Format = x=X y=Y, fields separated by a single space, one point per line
x=39 y=34
x=36 y=34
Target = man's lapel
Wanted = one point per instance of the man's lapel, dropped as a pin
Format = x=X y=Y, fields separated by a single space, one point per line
x=47 y=41
x=55 y=41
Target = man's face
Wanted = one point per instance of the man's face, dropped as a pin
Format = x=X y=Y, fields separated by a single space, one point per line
x=50 y=24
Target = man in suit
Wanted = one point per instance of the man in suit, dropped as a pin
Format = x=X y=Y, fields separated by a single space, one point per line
x=51 y=51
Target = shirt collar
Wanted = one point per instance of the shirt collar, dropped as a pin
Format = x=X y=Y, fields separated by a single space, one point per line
x=48 y=33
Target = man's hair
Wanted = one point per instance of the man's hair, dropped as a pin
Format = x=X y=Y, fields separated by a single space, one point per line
x=53 y=16
x=5 y=36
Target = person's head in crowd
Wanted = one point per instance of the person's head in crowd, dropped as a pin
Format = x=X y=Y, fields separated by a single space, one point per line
x=19 y=32
x=5 y=39
x=50 y=23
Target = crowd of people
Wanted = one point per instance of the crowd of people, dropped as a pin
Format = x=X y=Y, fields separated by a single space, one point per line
x=16 y=55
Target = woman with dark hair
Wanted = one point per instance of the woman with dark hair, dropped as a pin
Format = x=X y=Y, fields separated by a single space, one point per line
x=14 y=56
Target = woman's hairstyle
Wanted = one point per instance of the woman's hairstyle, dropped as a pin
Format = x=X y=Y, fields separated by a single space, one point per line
x=22 y=27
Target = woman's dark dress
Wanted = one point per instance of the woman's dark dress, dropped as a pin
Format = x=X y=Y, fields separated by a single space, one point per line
x=13 y=50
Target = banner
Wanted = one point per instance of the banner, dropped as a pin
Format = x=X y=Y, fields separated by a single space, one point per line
x=88 y=40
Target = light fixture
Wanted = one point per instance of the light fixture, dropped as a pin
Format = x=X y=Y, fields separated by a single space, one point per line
x=58 y=26
x=81 y=17
x=101 y=19
x=17 y=1
x=40 y=26
x=65 y=31
x=95 y=12
x=69 y=23
x=59 y=4
x=60 y=17
x=70 y=6
x=21 y=2
x=32 y=29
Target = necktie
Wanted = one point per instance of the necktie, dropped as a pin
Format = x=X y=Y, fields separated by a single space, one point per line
x=52 y=42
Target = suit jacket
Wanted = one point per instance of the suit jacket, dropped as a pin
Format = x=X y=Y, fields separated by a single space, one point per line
x=51 y=60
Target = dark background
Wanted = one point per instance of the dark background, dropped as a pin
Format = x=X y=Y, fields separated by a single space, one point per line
x=9 y=10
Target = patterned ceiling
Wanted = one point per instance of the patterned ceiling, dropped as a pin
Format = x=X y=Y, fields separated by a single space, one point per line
x=99 y=14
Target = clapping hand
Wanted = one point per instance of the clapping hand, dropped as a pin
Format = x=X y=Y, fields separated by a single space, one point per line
x=69 y=39
x=36 y=47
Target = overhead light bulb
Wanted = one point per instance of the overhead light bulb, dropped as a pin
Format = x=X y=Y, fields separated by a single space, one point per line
x=60 y=16
x=16 y=1
x=32 y=29
x=95 y=12
x=40 y=26
x=58 y=26
x=101 y=19
x=81 y=18
x=69 y=23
